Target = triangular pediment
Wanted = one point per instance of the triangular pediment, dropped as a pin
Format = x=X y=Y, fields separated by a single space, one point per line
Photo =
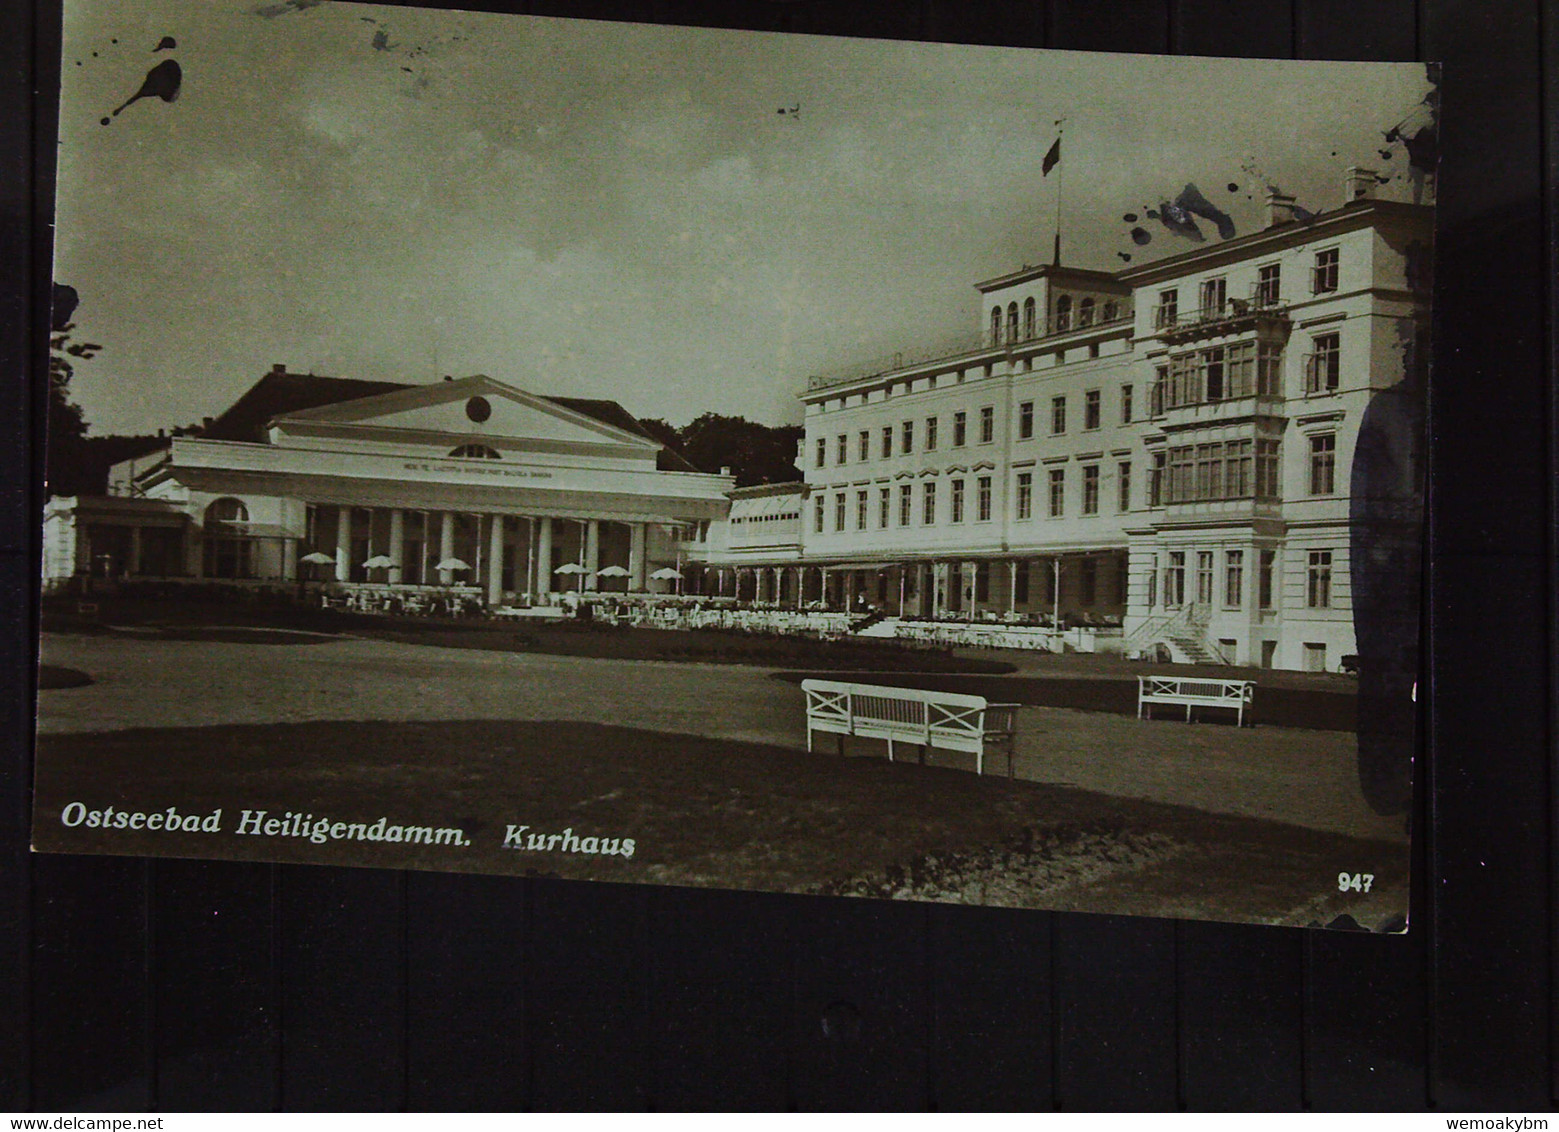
x=469 y=410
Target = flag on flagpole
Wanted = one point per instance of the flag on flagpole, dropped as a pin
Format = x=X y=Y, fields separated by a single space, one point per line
x=1052 y=158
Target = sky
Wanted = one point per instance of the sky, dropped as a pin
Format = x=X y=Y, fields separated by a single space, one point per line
x=682 y=220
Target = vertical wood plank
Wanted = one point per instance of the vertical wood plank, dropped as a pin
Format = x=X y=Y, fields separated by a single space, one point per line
x=1241 y=1011
x=991 y=1000
x=217 y=1044
x=1130 y=25
x=586 y=991
x=1384 y=30
x=1233 y=28
x=720 y=999
x=465 y=986
x=16 y=862
x=1366 y=1043
x=1490 y=767
x=342 y=967
x=859 y=1022
x=91 y=1010
x=1116 y=1041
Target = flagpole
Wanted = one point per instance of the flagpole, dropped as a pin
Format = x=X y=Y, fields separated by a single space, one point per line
x=1060 y=182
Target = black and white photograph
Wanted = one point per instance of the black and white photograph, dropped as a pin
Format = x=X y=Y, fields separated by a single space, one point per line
x=909 y=471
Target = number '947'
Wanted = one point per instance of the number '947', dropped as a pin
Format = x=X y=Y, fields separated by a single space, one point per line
x=1355 y=882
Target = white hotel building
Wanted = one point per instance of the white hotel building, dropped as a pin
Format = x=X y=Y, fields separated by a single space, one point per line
x=1170 y=449
x=1190 y=456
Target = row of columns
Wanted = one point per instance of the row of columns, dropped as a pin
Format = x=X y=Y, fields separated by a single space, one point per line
x=488 y=571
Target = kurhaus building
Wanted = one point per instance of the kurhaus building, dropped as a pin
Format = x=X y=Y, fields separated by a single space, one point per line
x=468 y=484
x=1219 y=452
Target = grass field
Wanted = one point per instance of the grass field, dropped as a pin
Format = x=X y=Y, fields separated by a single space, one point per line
x=707 y=812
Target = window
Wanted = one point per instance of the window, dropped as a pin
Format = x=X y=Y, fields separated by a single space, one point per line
x=1123 y=487
x=982 y=499
x=1268 y=284
x=1012 y=322
x=227 y=552
x=958 y=501
x=1204 y=577
x=861 y=498
x=843 y=451
x=839 y=511
x=907 y=437
x=1057 y=492
x=928 y=502
x=1267 y=567
x=1323 y=276
x=476 y=452
x=1125 y=404
x=1269 y=369
x=884 y=496
x=1157 y=474
x=930 y=434
x=1318 y=581
x=1025 y=495
x=1234 y=578
x=995 y=326
x=863 y=448
x=1091 y=409
x=1212 y=362
x=1064 y=313
x=1213 y=293
x=1085 y=312
x=817 y=514
x=1267 y=470
x=1026 y=420
x=887 y=441
x=906 y=501
x=1325 y=364
x=987 y=424
x=1112 y=311
x=822 y=452
x=1029 y=313
x=960 y=427
x=1174 y=580
x=1091 y=489
x=1159 y=392
x=1168 y=312
x=1057 y=415
x=1152 y=580
x=1323 y=463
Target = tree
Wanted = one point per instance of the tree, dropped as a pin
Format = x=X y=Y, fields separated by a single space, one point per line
x=67 y=426
x=755 y=453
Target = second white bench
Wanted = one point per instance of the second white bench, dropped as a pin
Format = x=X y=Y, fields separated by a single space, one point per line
x=950 y=720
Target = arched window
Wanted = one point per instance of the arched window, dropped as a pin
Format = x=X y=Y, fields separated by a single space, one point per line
x=1029 y=312
x=1111 y=310
x=228 y=549
x=475 y=452
x=995 y=325
x=1012 y=322
x=1085 y=313
x=1064 y=312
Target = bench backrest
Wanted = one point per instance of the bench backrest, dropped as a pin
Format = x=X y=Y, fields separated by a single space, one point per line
x=949 y=719
x=1233 y=691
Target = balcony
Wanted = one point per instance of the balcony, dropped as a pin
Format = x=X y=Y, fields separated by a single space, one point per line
x=969 y=348
x=1264 y=307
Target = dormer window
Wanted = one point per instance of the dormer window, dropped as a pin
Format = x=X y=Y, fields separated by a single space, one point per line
x=1064 y=313
x=475 y=452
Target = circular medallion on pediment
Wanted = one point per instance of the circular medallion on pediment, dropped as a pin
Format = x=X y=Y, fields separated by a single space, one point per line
x=478 y=409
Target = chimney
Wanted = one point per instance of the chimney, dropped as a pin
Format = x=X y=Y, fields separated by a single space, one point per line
x=205 y=423
x=725 y=471
x=278 y=367
x=1280 y=208
x=1358 y=184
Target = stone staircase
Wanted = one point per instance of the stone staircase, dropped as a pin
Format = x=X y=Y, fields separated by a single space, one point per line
x=877 y=625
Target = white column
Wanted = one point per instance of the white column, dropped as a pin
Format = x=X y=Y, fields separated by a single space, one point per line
x=779 y=584
x=1012 y=585
x=969 y=583
x=446 y=544
x=637 y=574
x=530 y=558
x=544 y=557
x=343 y=543
x=495 y=561
x=397 y=545
x=592 y=561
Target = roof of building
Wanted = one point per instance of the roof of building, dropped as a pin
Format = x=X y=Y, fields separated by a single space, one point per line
x=280 y=392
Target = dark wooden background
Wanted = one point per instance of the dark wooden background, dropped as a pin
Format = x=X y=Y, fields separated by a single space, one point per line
x=137 y=984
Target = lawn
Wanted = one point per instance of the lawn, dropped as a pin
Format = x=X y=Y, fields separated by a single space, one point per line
x=704 y=812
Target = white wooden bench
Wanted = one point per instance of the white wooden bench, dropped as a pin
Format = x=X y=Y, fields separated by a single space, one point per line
x=949 y=720
x=1192 y=692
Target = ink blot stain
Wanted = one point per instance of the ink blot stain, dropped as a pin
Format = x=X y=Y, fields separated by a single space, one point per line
x=1140 y=237
x=104 y=121
x=166 y=43
x=162 y=81
x=1234 y=186
x=1150 y=213
x=1125 y=256
x=1385 y=154
x=1130 y=218
x=1192 y=202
